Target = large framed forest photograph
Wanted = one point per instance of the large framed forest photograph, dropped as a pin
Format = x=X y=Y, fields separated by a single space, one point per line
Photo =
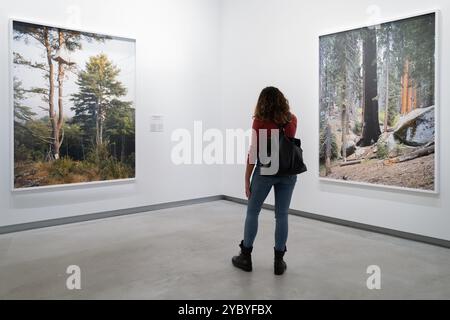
x=378 y=108
x=73 y=96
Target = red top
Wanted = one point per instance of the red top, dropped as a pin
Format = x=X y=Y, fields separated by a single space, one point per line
x=290 y=129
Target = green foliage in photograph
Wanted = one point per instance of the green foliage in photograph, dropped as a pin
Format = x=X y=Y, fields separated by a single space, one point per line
x=334 y=147
x=83 y=128
x=382 y=150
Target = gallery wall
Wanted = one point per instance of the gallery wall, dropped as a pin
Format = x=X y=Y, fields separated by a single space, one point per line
x=275 y=42
x=177 y=63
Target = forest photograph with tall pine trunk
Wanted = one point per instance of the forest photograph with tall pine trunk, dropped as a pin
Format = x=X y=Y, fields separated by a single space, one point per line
x=74 y=116
x=377 y=104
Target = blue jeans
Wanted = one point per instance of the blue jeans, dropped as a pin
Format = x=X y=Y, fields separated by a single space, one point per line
x=260 y=188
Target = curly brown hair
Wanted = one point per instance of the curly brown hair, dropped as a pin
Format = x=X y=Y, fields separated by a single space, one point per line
x=273 y=106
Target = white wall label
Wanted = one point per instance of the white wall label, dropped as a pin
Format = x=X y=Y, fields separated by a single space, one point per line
x=156 y=123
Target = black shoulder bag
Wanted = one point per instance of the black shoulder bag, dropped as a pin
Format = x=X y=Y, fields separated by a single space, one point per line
x=290 y=156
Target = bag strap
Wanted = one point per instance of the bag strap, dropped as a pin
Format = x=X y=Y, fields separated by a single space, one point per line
x=283 y=127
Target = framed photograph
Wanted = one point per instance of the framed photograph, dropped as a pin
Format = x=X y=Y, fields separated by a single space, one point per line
x=378 y=105
x=73 y=96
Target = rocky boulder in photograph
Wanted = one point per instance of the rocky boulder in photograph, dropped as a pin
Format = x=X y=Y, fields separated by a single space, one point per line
x=350 y=148
x=417 y=127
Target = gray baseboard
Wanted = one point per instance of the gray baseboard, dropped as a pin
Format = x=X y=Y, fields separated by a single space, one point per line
x=356 y=225
x=122 y=212
x=103 y=215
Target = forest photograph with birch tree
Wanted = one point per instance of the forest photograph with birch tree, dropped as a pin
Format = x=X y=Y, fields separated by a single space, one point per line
x=378 y=104
x=74 y=116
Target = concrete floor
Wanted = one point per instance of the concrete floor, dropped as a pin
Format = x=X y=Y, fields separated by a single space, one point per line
x=185 y=252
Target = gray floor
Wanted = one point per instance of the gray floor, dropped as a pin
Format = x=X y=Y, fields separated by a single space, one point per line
x=184 y=253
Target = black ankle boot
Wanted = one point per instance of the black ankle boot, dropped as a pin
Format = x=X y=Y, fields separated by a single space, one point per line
x=244 y=259
x=279 y=266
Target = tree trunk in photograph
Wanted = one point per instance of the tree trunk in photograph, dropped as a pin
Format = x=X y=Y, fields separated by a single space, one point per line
x=386 y=106
x=101 y=132
x=60 y=121
x=363 y=97
x=371 y=130
x=344 y=133
x=344 y=125
x=54 y=146
x=122 y=149
x=102 y=118
x=405 y=88
x=328 y=141
x=409 y=105
x=97 y=125
x=82 y=149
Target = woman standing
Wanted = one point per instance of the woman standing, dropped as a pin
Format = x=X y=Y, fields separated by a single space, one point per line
x=272 y=113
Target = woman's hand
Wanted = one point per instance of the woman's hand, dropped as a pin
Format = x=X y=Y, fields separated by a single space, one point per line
x=248 y=173
x=247 y=188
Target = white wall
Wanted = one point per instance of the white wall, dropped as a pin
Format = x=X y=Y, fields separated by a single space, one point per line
x=177 y=63
x=275 y=42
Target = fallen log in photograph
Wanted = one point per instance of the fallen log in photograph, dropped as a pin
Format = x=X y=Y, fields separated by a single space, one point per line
x=413 y=155
x=350 y=163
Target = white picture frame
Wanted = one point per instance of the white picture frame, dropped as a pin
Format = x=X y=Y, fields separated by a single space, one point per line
x=437 y=180
x=69 y=186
